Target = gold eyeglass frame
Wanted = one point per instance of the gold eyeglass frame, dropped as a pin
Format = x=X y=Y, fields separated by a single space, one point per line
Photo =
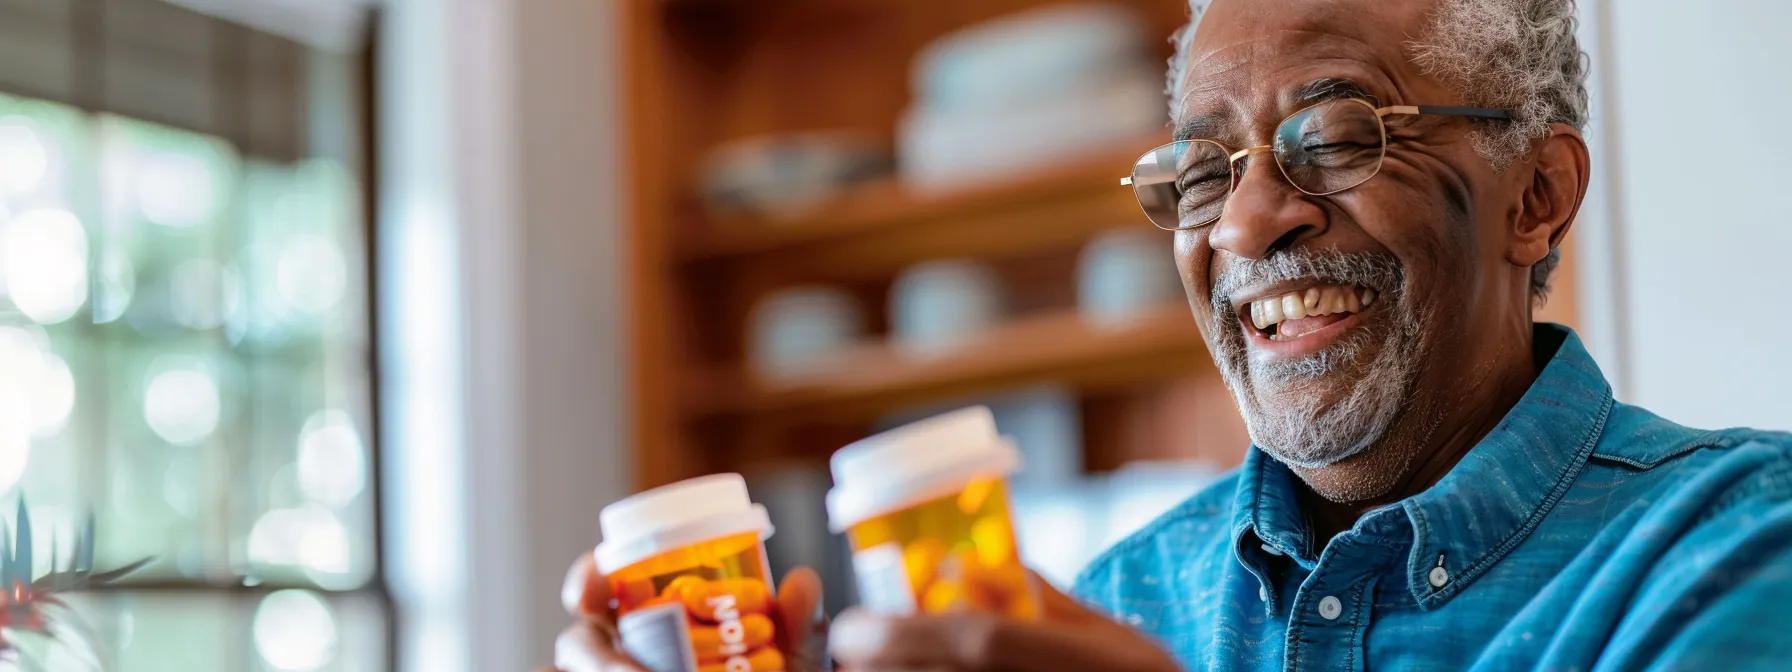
x=1381 y=115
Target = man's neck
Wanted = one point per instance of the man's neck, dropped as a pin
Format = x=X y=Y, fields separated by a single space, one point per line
x=1452 y=429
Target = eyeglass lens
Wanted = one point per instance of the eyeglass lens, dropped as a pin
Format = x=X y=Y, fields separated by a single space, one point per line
x=1322 y=150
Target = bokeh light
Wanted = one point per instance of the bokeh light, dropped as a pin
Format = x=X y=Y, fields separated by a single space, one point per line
x=54 y=399
x=117 y=285
x=45 y=264
x=309 y=538
x=197 y=290
x=332 y=467
x=324 y=546
x=24 y=157
x=181 y=405
x=295 y=630
x=36 y=384
x=273 y=540
x=311 y=274
x=175 y=189
x=37 y=394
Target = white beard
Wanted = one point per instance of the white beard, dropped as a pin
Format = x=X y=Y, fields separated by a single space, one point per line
x=1308 y=429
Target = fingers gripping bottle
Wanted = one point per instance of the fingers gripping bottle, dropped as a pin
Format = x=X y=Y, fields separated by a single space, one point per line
x=686 y=564
x=925 y=507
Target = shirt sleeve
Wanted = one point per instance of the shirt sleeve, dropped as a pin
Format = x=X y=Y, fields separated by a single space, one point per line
x=1722 y=597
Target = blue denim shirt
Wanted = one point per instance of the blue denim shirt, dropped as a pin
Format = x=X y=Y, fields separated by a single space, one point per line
x=1580 y=534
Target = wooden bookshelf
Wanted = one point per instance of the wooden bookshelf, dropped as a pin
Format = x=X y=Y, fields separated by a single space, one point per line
x=1054 y=202
x=704 y=73
x=1061 y=347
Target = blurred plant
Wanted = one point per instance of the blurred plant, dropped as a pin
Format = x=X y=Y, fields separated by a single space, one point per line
x=37 y=607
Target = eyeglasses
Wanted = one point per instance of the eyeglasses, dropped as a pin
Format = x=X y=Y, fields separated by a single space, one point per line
x=1322 y=150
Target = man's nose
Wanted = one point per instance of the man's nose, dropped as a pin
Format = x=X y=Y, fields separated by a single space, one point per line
x=1265 y=213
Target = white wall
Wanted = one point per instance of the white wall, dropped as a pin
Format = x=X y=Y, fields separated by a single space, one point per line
x=504 y=417
x=1697 y=104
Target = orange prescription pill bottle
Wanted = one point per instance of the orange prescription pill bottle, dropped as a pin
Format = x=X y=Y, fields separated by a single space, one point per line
x=686 y=564
x=925 y=507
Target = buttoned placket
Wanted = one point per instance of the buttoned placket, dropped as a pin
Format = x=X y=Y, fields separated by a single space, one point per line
x=1332 y=609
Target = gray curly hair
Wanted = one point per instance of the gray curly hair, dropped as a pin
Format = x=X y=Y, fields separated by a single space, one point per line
x=1521 y=55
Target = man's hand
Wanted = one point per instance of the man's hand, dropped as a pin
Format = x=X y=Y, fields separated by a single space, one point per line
x=590 y=644
x=1070 y=637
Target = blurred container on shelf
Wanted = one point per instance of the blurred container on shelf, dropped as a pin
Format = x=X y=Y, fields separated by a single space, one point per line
x=936 y=305
x=1124 y=274
x=1027 y=89
x=1045 y=422
x=788 y=175
x=1063 y=527
x=800 y=329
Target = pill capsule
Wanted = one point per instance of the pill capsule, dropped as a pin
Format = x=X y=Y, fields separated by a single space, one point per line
x=715 y=643
x=715 y=600
x=945 y=596
x=764 y=659
x=994 y=541
x=678 y=585
x=632 y=594
x=922 y=560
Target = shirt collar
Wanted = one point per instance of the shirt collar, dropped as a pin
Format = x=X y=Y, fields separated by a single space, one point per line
x=1486 y=504
x=1505 y=486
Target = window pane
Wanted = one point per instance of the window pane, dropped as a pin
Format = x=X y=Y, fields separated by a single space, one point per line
x=184 y=348
x=273 y=631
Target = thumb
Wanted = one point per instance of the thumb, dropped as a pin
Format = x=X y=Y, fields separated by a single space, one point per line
x=1060 y=607
x=585 y=593
x=799 y=618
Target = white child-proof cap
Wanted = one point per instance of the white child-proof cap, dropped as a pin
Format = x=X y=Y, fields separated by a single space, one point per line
x=677 y=515
x=916 y=462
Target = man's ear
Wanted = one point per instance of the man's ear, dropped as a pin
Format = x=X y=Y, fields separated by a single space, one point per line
x=1559 y=169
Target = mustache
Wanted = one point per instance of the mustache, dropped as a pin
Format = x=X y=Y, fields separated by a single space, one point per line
x=1379 y=271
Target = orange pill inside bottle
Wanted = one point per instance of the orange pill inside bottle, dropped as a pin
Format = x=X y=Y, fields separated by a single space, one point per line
x=686 y=564
x=926 y=510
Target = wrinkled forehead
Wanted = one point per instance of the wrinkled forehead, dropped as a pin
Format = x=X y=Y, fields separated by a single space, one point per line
x=1251 y=58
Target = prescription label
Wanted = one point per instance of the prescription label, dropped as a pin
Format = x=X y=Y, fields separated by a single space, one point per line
x=659 y=638
x=883 y=579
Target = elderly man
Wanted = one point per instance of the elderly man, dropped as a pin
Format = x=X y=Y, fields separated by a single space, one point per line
x=1367 y=197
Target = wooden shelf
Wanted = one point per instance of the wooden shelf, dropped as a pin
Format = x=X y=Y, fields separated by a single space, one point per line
x=1061 y=347
x=884 y=225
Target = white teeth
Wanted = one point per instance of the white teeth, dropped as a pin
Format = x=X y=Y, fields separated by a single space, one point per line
x=1310 y=302
x=1294 y=307
x=1272 y=312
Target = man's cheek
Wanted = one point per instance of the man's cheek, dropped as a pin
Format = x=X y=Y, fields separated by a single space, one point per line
x=1193 y=260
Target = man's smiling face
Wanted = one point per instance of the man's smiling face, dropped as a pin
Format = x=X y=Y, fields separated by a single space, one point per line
x=1343 y=322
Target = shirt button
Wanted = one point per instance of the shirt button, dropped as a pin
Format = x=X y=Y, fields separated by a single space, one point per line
x=1439 y=576
x=1330 y=608
x=1263 y=593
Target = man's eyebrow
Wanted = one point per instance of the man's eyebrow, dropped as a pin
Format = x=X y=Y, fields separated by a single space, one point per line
x=1315 y=92
x=1197 y=127
x=1330 y=88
